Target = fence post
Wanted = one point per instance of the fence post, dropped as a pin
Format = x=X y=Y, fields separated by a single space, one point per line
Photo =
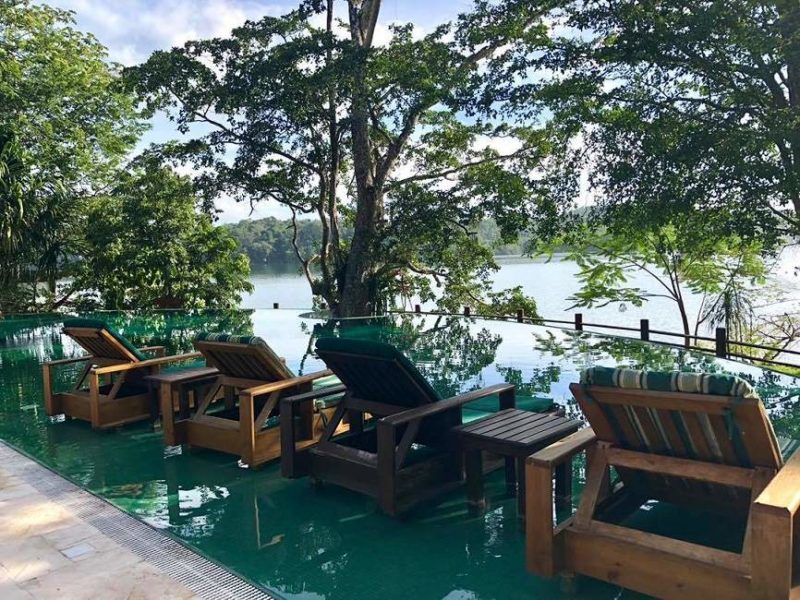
x=275 y=305
x=644 y=326
x=578 y=322
x=417 y=308
x=466 y=311
x=520 y=316
x=722 y=342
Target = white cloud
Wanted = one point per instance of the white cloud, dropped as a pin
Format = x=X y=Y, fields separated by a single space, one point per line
x=132 y=29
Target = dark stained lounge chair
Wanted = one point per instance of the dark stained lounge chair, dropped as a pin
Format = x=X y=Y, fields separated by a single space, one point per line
x=110 y=390
x=251 y=380
x=400 y=448
x=697 y=441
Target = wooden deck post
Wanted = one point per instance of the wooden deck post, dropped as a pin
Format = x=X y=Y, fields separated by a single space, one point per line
x=466 y=311
x=578 y=322
x=644 y=327
x=275 y=305
x=417 y=308
x=520 y=316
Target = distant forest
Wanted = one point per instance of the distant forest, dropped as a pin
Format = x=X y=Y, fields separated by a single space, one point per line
x=268 y=242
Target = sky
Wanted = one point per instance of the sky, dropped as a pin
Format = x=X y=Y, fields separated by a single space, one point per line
x=133 y=29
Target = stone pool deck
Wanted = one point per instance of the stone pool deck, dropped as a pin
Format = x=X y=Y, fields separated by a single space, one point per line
x=58 y=541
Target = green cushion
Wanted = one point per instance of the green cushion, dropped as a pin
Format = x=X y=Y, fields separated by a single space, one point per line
x=228 y=338
x=369 y=349
x=491 y=404
x=97 y=324
x=675 y=381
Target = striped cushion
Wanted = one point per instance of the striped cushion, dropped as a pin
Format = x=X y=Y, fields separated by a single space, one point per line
x=675 y=381
x=228 y=338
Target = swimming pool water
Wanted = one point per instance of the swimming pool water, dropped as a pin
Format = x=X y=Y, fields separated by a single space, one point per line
x=301 y=542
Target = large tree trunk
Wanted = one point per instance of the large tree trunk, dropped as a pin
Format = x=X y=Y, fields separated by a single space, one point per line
x=789 y=24
x=358 y=295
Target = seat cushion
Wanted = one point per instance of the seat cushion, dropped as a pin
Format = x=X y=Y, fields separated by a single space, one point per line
x=98 y=324
x=366 y=367
x=674 y=381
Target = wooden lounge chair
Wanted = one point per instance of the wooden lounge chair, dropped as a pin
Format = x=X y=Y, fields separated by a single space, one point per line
x=691 y=440
x=399 y=449
x=251 y=380
x=110 y=390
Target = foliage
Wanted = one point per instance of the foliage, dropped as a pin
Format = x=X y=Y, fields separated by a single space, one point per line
x=148 y=247
x=268 y=242
x=64 y=127
x=683 y=107
x=679 y=257
x=390 y=142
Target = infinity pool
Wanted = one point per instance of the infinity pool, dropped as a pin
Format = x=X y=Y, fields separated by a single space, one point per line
x=300 y=542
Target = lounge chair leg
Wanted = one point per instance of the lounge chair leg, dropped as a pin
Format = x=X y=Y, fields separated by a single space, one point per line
x=569 y=584
x=473 y=466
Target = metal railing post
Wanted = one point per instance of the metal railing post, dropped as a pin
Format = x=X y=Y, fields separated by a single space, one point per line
x=722 y=342
x=644 y=327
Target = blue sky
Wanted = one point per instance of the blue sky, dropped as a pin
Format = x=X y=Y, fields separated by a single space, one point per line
x=132 y=29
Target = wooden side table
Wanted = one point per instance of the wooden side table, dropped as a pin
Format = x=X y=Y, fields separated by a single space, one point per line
x=513 y=434
x=163 y=386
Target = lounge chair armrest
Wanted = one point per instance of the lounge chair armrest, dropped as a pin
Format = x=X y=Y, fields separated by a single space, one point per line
x=564 y=449
x=157 y=350
x=314 y=394
x=284 y=384
x=143 y=364
x=66 y=361
x=444 y=405
x=783 y=492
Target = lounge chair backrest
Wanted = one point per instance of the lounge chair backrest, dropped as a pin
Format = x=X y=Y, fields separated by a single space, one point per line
x=101 y=340
x=242 y=356
x=712 y=418
x=376 y=372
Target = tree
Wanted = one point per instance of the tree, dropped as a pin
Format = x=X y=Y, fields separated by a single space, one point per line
x=147 y=246
x=64 y=128
x=394 y=141
x=684 y=106
x=680 y=257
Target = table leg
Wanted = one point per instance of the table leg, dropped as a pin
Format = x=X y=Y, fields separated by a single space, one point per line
x=183 y=400
x=473 y=467
x=564 y=485
x=521 y=488
x=511 y=475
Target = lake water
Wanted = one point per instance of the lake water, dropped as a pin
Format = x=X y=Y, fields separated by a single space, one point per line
x=550 y=283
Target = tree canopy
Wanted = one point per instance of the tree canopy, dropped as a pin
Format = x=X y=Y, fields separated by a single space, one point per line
x=65 y=127
x=683 y=107
x=402 y=143
x=171 y=255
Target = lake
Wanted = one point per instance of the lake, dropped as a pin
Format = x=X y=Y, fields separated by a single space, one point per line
x=550 y=283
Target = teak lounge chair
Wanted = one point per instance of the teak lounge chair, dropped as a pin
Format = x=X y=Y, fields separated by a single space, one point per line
x=110 y=390
x=250 y=371
x=693 y=440
x=404 y=453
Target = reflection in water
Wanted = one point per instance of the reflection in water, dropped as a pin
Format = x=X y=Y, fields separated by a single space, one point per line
x=322 y=543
